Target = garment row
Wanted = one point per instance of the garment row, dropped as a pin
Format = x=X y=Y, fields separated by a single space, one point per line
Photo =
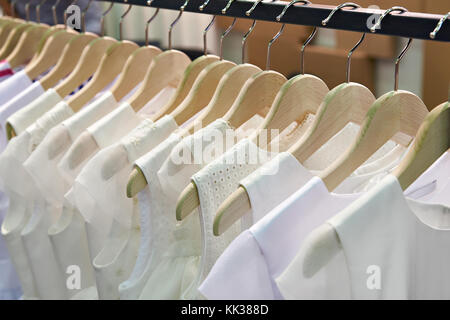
x=209 y=180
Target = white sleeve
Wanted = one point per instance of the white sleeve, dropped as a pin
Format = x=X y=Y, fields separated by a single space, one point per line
x=240 y=273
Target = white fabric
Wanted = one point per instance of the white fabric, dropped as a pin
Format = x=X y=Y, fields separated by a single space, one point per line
x=168 y=251
x=18 y=185
x=247 y=268
x=9 y=283
x=112 y=221
x=18 y=102
x=13 y=86
x=405 y=240
x=215 y=183
x=42 y=167
x=23 y=118
x=72 y=224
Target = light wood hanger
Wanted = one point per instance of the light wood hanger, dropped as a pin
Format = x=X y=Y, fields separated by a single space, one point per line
x=69 y=57
x=13 y=39
x=184 y=85
x=70 y=54
x=432 y=140
x=110 y=66
x=86 y=66
x=27 y=46
x=394 y=112
x=206 y=83
x=303 y=94
x=50 y=53
x=136 y=67
x=225 y=93
x=227 y=90
x=7 y=27
x=258 y=94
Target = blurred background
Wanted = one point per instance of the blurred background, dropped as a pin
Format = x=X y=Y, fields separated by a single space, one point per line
x=425 y=69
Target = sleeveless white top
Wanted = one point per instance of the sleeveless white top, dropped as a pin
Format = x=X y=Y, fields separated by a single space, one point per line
x=392 y=247
x=9 y=282
x=113 y=233
x=18 y=185
x=256 y=252
x=168 y=170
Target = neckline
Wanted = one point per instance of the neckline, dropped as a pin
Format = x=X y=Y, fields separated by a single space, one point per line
x=411 y=205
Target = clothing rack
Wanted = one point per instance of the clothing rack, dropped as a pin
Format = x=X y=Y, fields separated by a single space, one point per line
x=408 y=25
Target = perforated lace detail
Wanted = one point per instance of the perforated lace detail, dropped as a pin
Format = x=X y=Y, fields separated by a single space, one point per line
x=215 y=183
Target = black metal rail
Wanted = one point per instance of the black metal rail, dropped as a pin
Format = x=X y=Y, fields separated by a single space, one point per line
x=408 y=25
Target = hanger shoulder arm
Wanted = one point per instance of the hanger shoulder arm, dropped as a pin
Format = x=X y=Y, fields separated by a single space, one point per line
x=86 y=66
x=50 y=53
x=83 y=147
x=187 y=202
x=68 y=61
x=348 y=102
x=202 y=91
x=389 y=115
x=231 y=210
x=190 y=74
x=319 y=248
x=136 y=182
x=433 y=140
x=134 y=70
x=166 y=70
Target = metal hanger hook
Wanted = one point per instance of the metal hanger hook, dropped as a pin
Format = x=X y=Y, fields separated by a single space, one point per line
x=38 y=11
x=397 y=62
x=27 y=11
x=349 y=56
x=175 y=22
x=203 y=6
x=65 y=12
x=224 y=35
x=250 y=30
x=278 y=18
x=339 y=7
x=377 y=25
x=55 y=17
x=13 y=7
x=83 y=16
x=102 y=19
x=281 y=15
x=205 y=33
x=121 y=21
x=224 y=10
x=439 y=26
x=302 y=51
x=149 y=21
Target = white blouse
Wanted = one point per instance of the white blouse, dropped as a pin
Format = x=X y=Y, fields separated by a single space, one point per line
x=248 y=267
x=392 y=247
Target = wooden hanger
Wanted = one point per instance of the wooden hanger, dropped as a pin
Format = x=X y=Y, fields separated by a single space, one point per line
x=7 y=27
x=13 y=39
x=226 y=92
x=69 y=58
x=295 y=93
x=257 y=96
x=432 y=140
x=110 y=66
x=86 y=66
x=50 y=53
x=27 y=46
x=191 y=72
x=137 y=65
